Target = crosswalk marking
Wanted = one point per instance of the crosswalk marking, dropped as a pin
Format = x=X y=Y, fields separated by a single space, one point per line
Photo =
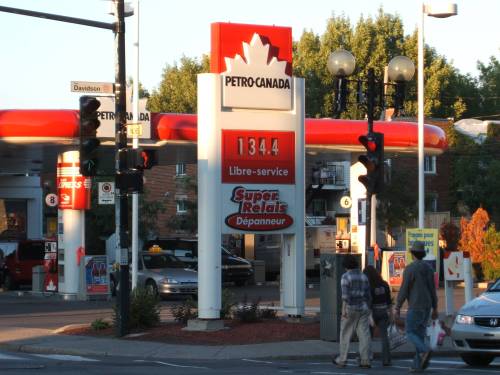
x=64 y=357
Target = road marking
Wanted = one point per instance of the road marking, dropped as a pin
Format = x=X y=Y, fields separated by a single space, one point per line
x=171 y=364
x=256 y=361
x=338 y=373
x=11 y=357
x=474 y=370
x=64 y=357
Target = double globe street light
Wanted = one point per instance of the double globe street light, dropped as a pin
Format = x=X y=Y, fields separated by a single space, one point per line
x=401 y=69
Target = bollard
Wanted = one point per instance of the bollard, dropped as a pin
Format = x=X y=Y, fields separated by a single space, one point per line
x=468 y=282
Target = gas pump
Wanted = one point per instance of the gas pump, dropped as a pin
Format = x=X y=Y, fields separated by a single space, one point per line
x=50 y=267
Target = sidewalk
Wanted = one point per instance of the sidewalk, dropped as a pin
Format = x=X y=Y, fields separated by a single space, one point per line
x=49 y=342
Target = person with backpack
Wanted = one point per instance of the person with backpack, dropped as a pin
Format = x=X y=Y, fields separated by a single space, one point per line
x=419 y=290
x=381 y=309
x=356 y=301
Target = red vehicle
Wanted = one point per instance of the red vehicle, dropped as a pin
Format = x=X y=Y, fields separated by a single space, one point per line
x=18 y=260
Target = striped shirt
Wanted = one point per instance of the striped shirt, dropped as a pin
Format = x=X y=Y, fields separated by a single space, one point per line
x=355 y=290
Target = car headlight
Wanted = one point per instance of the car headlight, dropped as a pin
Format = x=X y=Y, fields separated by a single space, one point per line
x=168 y=280
x=464 y=319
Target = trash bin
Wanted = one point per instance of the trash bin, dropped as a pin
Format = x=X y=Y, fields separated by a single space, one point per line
x=259 y=272
x=38 y=278
x=331 y=270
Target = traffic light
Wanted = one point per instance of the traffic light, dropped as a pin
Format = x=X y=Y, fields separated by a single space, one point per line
x=147 y=159
x=373 y=162
x=89 y=143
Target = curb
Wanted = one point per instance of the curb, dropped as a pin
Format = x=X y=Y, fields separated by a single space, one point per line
x=38 y=349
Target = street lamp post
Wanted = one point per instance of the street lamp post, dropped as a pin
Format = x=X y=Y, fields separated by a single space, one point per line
x=341 y=64
x=438 y=11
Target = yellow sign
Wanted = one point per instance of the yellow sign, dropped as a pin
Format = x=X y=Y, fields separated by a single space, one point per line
x=134 y=130
x=428 y=236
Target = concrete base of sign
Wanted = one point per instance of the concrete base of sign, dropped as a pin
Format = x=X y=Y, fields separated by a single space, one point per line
x=205 y=325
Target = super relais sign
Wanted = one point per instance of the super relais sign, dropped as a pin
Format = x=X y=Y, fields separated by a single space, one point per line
x=257 y=128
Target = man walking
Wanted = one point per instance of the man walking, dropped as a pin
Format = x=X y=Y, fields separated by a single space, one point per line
x=356 y=301
x=419 y=289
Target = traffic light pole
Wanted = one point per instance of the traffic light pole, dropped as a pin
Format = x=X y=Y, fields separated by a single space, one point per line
x=370 y=115
x=121 y=203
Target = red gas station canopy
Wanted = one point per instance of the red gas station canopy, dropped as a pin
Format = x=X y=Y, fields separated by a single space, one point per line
x=55 y=126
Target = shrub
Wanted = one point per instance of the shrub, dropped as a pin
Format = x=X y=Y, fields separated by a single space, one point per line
x=99 y=325
x=185 y=311
x=144 y=309
x=268 y=313
x=227 y=304
x=491 y=261
x=247 y=312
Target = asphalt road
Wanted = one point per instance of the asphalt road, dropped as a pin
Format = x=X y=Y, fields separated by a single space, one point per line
x=21 y=363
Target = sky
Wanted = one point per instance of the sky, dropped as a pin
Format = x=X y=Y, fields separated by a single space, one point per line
x=41 y=57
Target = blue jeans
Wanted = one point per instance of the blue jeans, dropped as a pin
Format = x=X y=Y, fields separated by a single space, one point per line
x=416 y=324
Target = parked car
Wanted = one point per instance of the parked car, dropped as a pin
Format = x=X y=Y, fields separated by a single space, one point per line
x=476 y=330
x=234 y=268
x=18 y=259
x=163 y=274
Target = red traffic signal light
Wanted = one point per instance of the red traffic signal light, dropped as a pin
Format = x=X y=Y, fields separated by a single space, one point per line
x=373 y=162
x=147 y=159
x=89 y=143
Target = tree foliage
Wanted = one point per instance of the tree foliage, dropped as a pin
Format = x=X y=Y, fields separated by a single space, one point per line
x=473 y=232
x=178 y=89
x=476 y=172
x=451 y=234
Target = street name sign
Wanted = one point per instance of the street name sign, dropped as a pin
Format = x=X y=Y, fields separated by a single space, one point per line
x=92 y=87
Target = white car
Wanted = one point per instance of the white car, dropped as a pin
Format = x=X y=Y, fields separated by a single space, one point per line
x=476 y=330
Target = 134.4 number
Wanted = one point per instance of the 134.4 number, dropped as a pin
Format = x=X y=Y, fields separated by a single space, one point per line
x=251 y=146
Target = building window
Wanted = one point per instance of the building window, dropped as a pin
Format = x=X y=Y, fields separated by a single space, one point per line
x=319 y=207
x=430 y=164
x=181 y=204
x=180 y=169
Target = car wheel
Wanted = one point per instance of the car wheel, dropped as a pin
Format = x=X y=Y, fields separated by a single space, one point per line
x=8 y=282
x=477 y=359
x=152 y=288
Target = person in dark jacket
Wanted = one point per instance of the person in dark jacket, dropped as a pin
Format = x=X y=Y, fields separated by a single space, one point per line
x=356 y=301
x=419 y=290
x=381 y=308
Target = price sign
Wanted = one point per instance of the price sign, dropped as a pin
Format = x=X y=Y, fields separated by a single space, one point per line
x=258 y=157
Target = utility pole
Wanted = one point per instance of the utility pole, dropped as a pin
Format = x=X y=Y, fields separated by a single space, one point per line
x=121 y=203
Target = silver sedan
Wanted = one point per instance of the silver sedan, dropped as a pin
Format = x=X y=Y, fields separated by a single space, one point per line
x=165 y=274
x=476 y=330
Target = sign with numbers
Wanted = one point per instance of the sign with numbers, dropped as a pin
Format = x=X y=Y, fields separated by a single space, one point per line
x=51 y=200
x=252 y=156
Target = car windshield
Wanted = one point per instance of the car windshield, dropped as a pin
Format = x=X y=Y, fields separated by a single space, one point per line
x=226 y=252
x=495 y=287
x=162 y=261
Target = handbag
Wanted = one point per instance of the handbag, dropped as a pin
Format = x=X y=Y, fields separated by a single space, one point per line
x=435 y=333
x=397 y=337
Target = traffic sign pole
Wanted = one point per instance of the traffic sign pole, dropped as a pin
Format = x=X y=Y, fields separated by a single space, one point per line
x=121 y=203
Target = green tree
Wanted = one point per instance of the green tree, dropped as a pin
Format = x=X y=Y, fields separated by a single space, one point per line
x=489 y=86
x=178 y=89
